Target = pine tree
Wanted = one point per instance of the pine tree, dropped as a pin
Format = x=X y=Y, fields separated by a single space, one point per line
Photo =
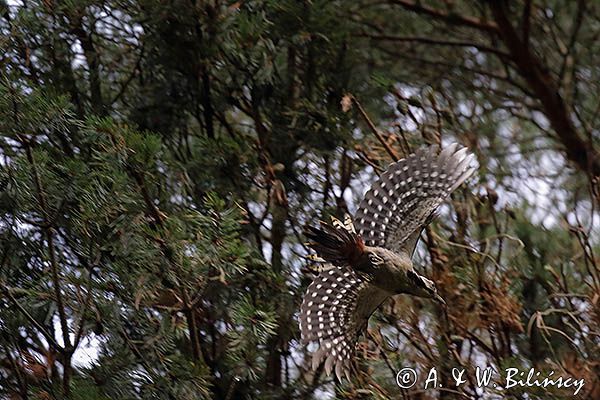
x=160 y=160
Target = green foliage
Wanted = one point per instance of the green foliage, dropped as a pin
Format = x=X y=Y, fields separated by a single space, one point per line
x=158 y=161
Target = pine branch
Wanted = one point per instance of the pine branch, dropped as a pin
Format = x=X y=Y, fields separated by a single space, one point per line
x=40 y=328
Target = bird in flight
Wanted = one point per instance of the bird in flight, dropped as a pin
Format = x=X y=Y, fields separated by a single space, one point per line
x=368 y=259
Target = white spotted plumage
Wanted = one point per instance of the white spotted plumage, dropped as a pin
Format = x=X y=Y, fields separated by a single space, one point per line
x=338 y=303
x=421 y=182
x=337 y=334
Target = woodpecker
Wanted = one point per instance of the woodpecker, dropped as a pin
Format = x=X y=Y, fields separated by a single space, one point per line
x=368 y=259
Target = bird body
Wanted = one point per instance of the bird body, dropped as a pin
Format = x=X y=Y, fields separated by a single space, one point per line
x=370 y=256
x=388 y=269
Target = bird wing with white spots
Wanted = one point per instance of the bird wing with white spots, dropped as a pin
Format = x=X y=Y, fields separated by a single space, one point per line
x=402 y=201
x=334 y=311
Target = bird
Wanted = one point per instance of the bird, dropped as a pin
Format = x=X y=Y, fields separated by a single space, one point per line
x=367 y=259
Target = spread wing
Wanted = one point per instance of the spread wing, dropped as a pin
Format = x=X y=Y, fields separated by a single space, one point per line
x=402 y=201
x=334 y=311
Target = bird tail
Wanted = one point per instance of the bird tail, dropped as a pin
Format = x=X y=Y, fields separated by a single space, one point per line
x=336 y=243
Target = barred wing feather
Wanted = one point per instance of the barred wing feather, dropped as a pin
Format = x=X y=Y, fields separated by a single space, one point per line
x=402 y=201
x=334 y=311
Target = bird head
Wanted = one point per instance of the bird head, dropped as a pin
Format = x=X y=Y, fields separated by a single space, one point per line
x=428 y=290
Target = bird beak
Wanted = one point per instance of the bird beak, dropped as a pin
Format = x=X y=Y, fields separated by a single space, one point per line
x=439 y=299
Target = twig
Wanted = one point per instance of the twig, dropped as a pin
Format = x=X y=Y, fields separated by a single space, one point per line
x=390 y=151
x=23 y=311
x=454 y=19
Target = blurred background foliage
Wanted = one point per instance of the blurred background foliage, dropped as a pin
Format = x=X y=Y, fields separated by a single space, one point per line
x=160 y=158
